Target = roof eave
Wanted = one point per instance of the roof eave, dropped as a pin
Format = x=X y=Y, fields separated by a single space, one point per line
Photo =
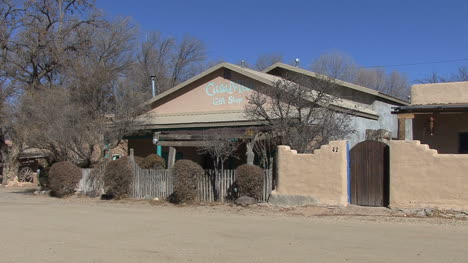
x=430 y=108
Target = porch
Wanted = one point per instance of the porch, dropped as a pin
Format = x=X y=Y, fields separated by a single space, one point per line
x=178 y=144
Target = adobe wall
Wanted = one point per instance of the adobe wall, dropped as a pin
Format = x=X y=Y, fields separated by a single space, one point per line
x=420 y=177
x=321 y=176
x=439 y=93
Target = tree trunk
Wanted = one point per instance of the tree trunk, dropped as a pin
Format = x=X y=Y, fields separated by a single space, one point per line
x=12 y=163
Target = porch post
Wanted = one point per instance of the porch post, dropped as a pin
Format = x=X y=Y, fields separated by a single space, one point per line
x=159 y=150
x=171 y=157
x=249 y=153
x=405 y=126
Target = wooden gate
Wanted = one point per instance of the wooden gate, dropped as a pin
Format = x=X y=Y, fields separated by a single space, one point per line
x=369 y=168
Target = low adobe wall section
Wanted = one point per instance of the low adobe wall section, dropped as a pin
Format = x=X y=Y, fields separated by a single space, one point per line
x=420 y=177
x=318 y=178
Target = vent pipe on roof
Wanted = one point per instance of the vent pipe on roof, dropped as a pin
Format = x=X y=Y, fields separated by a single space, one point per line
x=153 y=85
x=243 y=63
x=296 y=62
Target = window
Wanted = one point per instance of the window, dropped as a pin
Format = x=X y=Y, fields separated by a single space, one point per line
x=463 y=142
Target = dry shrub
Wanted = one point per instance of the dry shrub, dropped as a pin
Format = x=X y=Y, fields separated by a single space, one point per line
x=118 y=178
x=186 y=177
x=153 y=161
x=64 y=178
x=249 y=179
x=138 y=160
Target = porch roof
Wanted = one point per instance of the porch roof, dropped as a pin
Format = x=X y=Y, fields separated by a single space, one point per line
x=431 y=108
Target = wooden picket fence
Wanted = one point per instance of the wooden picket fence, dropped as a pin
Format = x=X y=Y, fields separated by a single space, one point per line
x=158 y=183
x=151 y=183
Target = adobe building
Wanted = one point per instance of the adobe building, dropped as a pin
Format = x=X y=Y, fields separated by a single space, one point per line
x=439 y=115
x=214 y=101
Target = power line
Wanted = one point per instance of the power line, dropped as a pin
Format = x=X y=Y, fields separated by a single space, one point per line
x=417 y=63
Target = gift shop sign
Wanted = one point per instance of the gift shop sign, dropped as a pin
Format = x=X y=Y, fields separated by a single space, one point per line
x=227 y=93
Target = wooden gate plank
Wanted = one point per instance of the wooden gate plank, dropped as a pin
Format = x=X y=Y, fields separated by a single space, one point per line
x=369 y=173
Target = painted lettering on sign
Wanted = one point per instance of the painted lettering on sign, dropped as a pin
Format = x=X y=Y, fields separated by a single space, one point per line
x=227 y=93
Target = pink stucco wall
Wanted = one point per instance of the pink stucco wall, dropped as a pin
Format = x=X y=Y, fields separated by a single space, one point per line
x=213 y=93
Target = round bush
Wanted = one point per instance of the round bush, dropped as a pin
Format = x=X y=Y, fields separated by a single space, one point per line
x=138 y=160
x=118 y=178
x=249 y=179
x=186 y=177
x=153 y=161
x=64 y=178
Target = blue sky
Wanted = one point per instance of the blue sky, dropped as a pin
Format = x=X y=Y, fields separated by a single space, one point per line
x=372 y=32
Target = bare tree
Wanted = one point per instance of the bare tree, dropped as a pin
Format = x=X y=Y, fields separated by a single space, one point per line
x=220 y=146
x=264 y=146
x=10 y=14
x=93 y=74
x=302 y=112
x=462 y=74
x=341 y=66
x=44 y=39
x=153 y=59
x=395 y=84
x=336 y=65
x=188 y=53
x=266 y=60
x=76 y=96
x=60 y=128
x=76 y=73
x=434 y=77
x=168 y=60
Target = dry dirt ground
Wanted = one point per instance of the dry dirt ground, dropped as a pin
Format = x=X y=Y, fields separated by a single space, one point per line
x=45 y=229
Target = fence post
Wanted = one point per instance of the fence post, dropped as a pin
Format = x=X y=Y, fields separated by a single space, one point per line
x=132 y=157
x=171 y=157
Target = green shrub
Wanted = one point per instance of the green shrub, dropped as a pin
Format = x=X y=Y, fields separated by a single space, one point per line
x=153 y=161
x=64 y=178
x=249 y=179
x=186 y=177
x=118 y=178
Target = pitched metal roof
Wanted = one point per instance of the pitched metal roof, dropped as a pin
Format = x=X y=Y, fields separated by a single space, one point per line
x=148 y=119
x=345 y=84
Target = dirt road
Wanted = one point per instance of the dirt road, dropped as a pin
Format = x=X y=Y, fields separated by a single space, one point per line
x=43 y=229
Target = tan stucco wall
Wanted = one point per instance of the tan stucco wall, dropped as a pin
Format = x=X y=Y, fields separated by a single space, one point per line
x=420 y=177
x=321 y=175
x=445 y=138
x=440 y=93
